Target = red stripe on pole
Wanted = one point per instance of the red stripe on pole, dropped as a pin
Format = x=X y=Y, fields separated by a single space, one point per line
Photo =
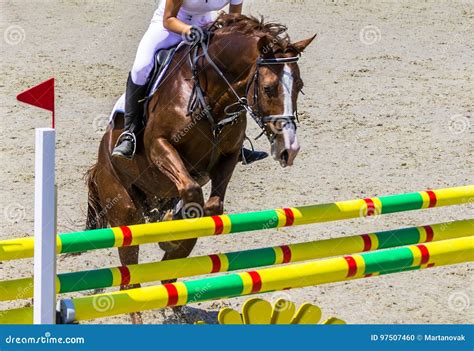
x=286 y=253
x=367 y=242
x=352 y=266
x=124 y=275
x=172 y=294
x=425 y=254
x=290 y=217
x=216 y=263
x=370 y=207
x=429 y=233
x=127 y=235
x=432 y=197
x=219 y=229
x=256 y=281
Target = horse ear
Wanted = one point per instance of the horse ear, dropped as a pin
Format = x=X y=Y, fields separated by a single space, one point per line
x=303 y=44
x=265 y=48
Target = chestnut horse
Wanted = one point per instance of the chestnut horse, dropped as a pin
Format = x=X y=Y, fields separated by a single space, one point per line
x=195 y=129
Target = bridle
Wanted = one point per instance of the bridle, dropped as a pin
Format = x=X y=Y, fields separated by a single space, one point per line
x=234 y=111
x=255 y=107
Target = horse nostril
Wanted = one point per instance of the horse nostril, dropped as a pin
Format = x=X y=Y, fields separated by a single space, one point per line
x=284 y=156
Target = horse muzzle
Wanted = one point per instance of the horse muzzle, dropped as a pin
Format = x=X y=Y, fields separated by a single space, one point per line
x=285 y=146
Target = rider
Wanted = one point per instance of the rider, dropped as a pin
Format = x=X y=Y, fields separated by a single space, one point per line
x=173 y=21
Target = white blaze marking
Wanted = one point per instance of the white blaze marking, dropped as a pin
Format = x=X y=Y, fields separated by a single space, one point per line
x=289 y=132
x=289 y=135
x=287 y=81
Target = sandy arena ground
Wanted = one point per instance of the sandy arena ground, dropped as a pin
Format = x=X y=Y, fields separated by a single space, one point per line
x=388 y=109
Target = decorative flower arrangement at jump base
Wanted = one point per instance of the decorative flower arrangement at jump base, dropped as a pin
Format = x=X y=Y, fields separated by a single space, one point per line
x=259 y=311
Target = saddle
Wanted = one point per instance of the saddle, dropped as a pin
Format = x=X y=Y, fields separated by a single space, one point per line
x=162 y=61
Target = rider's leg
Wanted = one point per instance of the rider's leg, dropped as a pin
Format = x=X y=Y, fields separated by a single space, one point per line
x=248 y=156
x=155 y=38
x=132 y=121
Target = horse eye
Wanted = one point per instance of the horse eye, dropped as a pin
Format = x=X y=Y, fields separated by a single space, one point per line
x=270 y=90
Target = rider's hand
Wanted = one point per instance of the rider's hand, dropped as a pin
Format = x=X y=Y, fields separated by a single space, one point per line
x=198 y=34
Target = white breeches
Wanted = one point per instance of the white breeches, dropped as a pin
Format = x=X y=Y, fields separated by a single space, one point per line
x=156 y=37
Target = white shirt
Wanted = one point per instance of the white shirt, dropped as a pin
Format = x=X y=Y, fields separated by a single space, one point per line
x=198 y=12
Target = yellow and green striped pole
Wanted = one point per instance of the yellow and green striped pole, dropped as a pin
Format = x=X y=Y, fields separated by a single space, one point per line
x=187 y=267
x=312 y=273
x=242 y=222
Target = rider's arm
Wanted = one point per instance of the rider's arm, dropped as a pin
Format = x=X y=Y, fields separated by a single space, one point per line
x=170 y=19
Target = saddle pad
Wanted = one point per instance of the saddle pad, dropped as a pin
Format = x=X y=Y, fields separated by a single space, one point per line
x=119 y=107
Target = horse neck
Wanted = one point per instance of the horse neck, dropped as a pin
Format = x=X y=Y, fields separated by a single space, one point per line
x=235 y=54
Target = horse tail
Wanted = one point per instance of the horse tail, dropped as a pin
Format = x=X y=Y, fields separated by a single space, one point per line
x=95 y=214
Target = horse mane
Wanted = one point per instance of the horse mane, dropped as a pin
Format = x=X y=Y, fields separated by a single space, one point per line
x=277 y=33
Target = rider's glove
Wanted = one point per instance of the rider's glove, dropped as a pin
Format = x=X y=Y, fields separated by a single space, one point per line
x=198 y=34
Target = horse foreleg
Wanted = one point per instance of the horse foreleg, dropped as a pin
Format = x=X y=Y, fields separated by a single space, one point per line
x=165 y=157
x=220 y=178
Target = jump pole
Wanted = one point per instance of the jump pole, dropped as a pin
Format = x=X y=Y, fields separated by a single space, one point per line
x=294 y=275
x=276 y=278
x=45 y=228
x=241 y=222
x=231 y=261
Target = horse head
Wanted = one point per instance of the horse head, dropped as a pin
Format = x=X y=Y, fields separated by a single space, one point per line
x=276 y=85
x=267 y=69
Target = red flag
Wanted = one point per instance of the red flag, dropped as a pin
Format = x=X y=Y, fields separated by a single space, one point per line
x=41 y=95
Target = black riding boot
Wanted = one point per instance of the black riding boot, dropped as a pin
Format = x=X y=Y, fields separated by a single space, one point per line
x=127 y=142
x=249 y=156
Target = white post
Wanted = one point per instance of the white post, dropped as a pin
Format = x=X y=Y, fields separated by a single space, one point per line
x=45 y=228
